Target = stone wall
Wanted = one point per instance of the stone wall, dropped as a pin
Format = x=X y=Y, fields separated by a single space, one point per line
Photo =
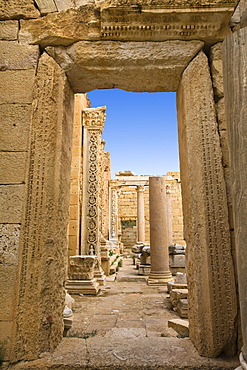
x=18 y=65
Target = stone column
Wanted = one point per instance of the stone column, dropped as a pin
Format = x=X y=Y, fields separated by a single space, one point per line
x=140 y=214
x=234 y=64
x=160 y=273
x=93 y=122
x=169 y=218
x=113 y=237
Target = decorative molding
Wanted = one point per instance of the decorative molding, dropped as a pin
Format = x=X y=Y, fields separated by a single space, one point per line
x=168 y=4
x=94 y=118
x=114 y=214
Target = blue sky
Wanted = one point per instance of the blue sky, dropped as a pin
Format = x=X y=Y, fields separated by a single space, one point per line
x=140 y=130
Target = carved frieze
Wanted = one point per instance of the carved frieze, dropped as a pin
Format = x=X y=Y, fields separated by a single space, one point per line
x=175 y=3
x=114 y=208
x=160 y=20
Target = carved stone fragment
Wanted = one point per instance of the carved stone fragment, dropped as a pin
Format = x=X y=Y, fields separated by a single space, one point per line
x=44 y=232
x=210 y=274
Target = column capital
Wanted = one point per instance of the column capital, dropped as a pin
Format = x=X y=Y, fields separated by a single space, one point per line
x=94 y=118
x=115 y=184
x=140 y=188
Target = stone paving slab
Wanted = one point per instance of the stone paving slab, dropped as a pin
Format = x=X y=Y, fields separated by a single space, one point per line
x=125 y=327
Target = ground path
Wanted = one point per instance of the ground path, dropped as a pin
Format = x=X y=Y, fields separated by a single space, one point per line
x=125 y=327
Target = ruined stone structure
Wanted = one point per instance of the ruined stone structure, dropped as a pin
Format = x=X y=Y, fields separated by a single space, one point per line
x=131 y=207
x=137 y=46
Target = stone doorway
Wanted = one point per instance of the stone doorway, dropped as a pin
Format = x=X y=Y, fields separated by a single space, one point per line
x=135 y=65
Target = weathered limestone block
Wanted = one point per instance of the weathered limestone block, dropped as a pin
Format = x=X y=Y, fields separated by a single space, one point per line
x=182 y=308
x=10 y=83
x=217 y=70
x=81 y=267
x=177 y=294
x=16 y=9
x=9 y=242
x=8 y=290
x=14 y=126
x=11 y=202
x=46 y=6
x=210 y=274
x=224 y=148
x=125 y=65
x=81 y=275
x=43 y=252
x=8 y=30
x=12 y=167
x=177 y=260
x=63 y=28
x=221 y=114
x=234 y=63
x=180 y=326
x=66 y=4
x=17 y=56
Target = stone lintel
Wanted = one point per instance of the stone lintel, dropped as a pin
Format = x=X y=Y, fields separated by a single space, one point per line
x=132 y=21
x=94 y=118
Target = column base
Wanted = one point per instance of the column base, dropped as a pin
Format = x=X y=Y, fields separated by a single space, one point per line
x=82 y=286
x=100 y=277
x=243 y=363
x=159 y=279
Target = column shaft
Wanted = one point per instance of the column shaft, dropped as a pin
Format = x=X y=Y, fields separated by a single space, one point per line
x=169 y=219
x=93 y=122
x=140 y=215
x=160 y=273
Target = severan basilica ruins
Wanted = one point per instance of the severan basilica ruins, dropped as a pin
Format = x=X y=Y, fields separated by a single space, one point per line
x=70 y=233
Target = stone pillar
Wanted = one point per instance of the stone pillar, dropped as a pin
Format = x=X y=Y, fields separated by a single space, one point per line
x=93 y=122
x=234 y=64
x=209 y=263
x=44 y=245
x=113 y=237
x=140 y=214
x=160 y=273
x=169 y=218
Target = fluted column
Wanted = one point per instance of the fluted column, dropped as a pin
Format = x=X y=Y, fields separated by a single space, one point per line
x=140 y=214
x=160 y=273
